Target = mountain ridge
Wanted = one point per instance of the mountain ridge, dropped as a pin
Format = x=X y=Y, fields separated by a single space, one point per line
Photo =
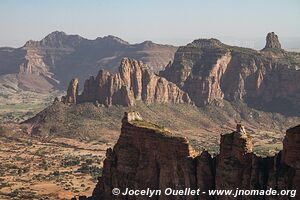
x=50 y=63
x=210 y=71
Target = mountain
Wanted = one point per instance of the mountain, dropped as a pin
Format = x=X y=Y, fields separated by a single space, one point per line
x=211 y=72
x=49 y=64
x=147 y=156
x=217 y=83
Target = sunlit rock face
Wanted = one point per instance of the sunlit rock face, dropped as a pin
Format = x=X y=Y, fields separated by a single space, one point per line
x=272 y=41
x=134 y=82
x=211 y=72
x=148 y=156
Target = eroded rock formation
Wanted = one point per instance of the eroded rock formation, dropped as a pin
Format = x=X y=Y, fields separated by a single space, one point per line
x=72 y=92
x=272 y=41
x=235 y=161
x=210 y=71
x=134 y=82
x=148 y=156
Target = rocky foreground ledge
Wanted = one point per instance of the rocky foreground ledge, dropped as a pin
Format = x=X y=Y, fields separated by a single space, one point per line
x=148 y=156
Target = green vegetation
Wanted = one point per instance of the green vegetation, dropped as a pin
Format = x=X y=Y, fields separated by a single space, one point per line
x=148 y=125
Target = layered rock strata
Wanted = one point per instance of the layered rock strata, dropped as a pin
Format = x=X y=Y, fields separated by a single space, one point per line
x=148 y=156
x=134 y=82
x=210 y=71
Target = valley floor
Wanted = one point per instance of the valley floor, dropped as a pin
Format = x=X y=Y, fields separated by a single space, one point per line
x=56 y=169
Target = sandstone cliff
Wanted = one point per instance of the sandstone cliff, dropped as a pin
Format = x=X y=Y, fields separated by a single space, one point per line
x=72 y=92
x=210 y=71
x=148 y=156
x=235 y=160
x=134 y=82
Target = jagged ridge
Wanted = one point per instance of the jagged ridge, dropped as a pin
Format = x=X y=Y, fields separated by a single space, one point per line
x=134 y=82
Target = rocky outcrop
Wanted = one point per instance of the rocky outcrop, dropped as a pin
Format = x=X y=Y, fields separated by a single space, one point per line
x=134 y=82
x=272 y=41
x=148 y=156
x=208 y=89
x=291 y=152
x=211 y=72
x=72 y=92
x=291 y=148
x=235 y=160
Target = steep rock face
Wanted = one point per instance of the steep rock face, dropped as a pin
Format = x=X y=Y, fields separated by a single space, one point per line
x=208 y=89
x=134 y=82
x=72 y=92
x=37 y=71
x=147 y=156
x=238 y=167
x=291 y=148
x=272 y=41
x=291 y=152
x=210 y=71
x=205 y=174
x=234 y=162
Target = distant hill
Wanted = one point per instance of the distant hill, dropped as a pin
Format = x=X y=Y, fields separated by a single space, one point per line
x=49 y=64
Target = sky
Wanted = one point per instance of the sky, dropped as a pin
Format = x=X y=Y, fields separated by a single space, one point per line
x=177 y=22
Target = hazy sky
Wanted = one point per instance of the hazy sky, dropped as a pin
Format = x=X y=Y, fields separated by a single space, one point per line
x=164 y=21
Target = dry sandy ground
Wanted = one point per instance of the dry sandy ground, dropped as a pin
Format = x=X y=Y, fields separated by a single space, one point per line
x=56 y=169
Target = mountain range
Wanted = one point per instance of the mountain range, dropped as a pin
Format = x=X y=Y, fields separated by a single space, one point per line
x=204 y=72
x=49 y=64
x=207 y=89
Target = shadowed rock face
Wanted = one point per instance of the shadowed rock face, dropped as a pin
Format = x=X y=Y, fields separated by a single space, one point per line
x=235 y=161
x=210 y=71
x=272 y=41
x=134 y=82
x=72 y=92
x=147 y=156
x=291 y=152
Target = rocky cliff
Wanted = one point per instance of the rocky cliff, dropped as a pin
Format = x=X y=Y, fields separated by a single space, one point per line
x=72 y=92
x=272 y=41
x=148 y=156
x=134 y=82
x=50 y=63
x=210 y=71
